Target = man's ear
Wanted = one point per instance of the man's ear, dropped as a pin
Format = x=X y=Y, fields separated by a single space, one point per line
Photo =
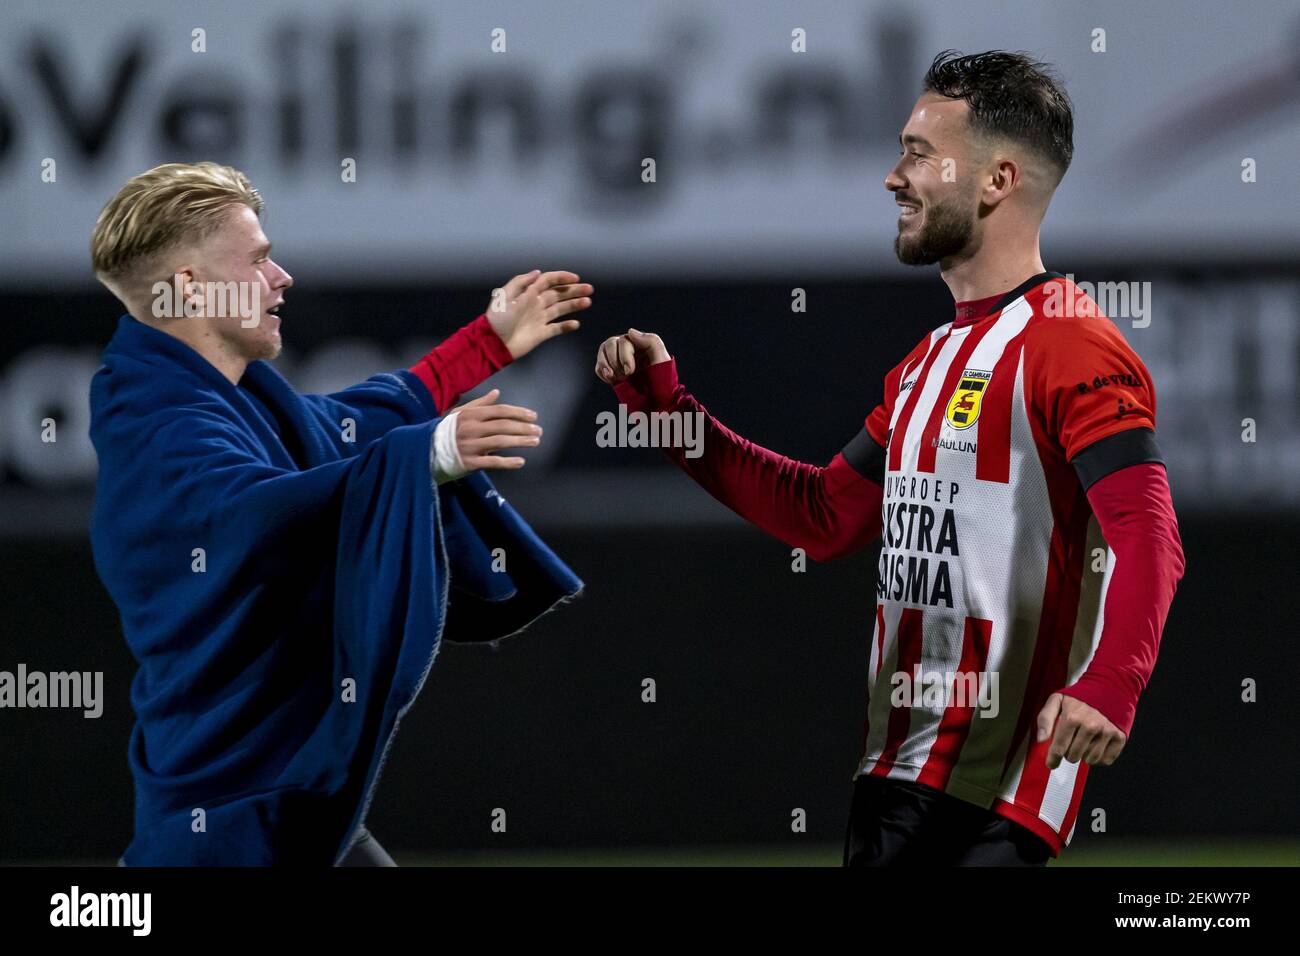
x=1004 y=177
x=190 y=290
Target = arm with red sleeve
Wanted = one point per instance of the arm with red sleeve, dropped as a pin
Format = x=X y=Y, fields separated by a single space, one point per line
x=462 y=362
x=1099 y=403
x=829 y=511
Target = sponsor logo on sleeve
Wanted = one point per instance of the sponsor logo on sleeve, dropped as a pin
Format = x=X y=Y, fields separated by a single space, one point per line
x=1106 y=381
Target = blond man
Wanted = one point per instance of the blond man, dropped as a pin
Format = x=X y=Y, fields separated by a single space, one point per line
x=286 y=565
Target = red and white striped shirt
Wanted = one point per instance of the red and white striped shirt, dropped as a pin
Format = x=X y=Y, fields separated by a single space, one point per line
x=993 y=571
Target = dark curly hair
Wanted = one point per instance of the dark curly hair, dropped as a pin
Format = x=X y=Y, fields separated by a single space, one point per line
x=1010 y=95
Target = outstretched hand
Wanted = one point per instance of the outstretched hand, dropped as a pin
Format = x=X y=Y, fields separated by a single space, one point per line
x=484 y=427
x=530 y=308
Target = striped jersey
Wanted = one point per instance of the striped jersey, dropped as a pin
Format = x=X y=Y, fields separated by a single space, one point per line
x=993 y=571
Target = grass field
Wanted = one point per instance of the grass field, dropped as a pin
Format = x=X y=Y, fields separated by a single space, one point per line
x=1218 y=853
x=1203 y=854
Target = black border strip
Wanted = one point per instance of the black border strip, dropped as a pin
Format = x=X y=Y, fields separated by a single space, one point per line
x=866 y=457
x=1135 y=446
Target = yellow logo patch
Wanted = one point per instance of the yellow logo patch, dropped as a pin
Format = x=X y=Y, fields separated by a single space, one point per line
x=964 y=406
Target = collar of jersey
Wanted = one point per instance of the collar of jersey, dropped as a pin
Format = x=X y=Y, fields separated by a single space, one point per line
x=996 y=303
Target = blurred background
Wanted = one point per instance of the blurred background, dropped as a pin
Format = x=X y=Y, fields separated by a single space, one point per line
x=482 y=154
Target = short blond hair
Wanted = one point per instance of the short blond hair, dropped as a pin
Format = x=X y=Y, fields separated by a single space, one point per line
x=160 y=208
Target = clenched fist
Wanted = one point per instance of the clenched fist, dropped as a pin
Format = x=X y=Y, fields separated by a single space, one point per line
x=621 y=355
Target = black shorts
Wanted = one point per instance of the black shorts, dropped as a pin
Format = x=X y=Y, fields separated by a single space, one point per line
x=897 y=823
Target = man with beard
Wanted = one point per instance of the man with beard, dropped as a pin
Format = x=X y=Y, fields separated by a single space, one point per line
x=1030 y=548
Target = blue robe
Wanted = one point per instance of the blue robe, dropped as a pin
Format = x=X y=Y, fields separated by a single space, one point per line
x=285 y=591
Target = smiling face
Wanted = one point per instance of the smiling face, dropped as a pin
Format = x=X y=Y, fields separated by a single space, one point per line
x=937 y=213
x=246 y=325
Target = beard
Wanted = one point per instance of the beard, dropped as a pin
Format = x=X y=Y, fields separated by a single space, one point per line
x=945 y=231
x=268 y=347
x=253 y=343
x=270 y=351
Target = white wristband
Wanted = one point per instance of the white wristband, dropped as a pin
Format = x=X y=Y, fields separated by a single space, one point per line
x=447 y=465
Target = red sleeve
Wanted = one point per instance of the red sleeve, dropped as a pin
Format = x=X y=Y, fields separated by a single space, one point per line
x=1136 y=514
x=828 y=511
x=463 y=361
x=1086 y=382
